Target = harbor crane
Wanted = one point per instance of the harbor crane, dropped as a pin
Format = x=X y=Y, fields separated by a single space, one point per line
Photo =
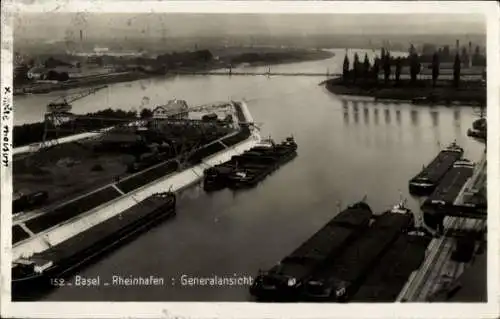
x=58 y=112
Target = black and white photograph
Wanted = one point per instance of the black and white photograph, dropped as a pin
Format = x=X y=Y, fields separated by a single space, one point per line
x=252 y=156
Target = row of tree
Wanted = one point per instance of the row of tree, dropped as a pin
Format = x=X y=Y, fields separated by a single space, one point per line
x=447 y=55
x=366 y=71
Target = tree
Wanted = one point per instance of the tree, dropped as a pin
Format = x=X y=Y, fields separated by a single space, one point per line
x=376 y=68
x=382 y=53
x=356 y=66
x=366 y=66
x=411 y=50
x=435 y=68
x=387 y=67
x=146 y=113
x=63 y=76
x=21 y=74
x=414 y=67
x=465 y=56
x=398 y=69
x=456 y=70
x=345 y=69
x=52 y=75
x=477 y=56
x=446 y=52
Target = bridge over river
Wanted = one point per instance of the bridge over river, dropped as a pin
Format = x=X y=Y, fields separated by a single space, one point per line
x=261 y=73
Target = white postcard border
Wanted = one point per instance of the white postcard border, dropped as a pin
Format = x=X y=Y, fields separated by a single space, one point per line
x=246 y=309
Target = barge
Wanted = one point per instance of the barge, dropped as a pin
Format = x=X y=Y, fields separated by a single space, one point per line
x=340 y=278
x=427 y=180
x=479 y=134
x=447 y=191
x=386 y=280
x=284 y=281
x=49 y=268
x=251 y=167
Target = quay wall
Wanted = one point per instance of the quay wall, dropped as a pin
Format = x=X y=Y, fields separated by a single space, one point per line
x=175 y=182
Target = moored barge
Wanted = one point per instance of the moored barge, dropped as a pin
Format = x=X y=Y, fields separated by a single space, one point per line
x=447 y=191
x=251 y=167
x=389 y=276
x=284 y=281
x=426 y=181
x=340 y=278
x=49 y=268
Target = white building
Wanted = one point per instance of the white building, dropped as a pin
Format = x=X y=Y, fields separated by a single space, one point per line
x=173 y=109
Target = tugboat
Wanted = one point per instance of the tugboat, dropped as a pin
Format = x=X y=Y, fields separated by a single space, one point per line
x=426 y=181
x=478 y=129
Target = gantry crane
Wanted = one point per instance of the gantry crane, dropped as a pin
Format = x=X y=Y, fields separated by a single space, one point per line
x=58 y=112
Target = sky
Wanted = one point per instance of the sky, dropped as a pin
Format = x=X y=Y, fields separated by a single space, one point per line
x=57 y=26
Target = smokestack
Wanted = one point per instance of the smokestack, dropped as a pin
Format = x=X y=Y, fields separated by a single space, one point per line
x=470 y=55
x=81 y=35
x=458 y=47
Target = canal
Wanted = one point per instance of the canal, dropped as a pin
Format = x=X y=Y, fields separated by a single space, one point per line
x=348 y=148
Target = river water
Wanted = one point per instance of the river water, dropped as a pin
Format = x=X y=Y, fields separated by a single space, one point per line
x=348 y=148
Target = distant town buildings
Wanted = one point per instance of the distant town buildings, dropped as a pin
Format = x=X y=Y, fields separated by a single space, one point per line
x=101 y=51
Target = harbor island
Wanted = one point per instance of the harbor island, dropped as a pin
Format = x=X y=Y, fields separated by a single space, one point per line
x=442 y=77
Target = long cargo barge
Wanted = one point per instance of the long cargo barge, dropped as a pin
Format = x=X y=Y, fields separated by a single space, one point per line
x=388 y=277
x=427 y=180
x=445 y=194
x=284 y=281
x=340 y=278
x=49 y=268
x=251 y=167
x=451 y=185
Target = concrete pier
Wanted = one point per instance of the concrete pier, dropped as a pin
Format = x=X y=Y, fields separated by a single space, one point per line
x=438 y=272
x=175 y=182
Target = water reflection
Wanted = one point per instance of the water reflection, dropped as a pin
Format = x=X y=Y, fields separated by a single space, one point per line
x=414 y=117
x=345 y=108
x=387 y=116
x=375 y=116
x=366 y=113
x=398 y=117
x=456 y=117
x=435 y=118
x=356 y=113
x=355 y=105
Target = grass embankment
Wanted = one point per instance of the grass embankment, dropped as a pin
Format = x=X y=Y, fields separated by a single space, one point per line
x=66 y=170
x=422 y=91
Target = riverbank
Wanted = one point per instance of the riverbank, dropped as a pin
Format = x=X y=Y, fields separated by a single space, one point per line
x=41 y=88
x=231 y=58
x=422 y=92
